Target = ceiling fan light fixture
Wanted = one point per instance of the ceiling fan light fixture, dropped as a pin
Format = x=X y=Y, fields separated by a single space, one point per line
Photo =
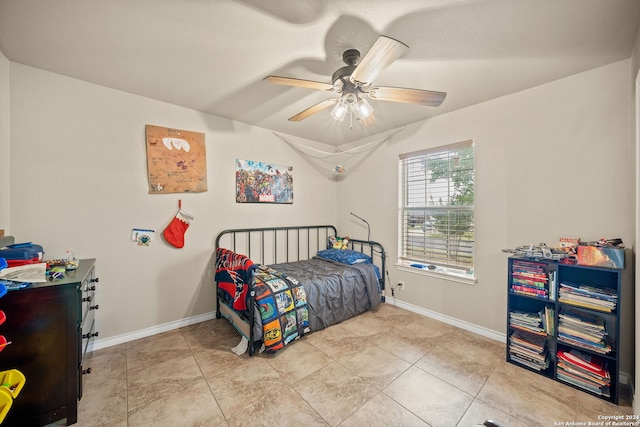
x=339 y=112
x=364 y=109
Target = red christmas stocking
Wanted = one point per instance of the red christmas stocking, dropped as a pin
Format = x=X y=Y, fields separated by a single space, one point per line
x=174 y=233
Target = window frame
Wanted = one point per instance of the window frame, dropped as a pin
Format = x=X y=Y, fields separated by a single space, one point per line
x=436 y=212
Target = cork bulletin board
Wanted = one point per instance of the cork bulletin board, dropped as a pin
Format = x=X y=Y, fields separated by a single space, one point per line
x=176 y=161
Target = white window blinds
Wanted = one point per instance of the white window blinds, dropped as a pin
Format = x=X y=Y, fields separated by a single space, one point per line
x=436 y=206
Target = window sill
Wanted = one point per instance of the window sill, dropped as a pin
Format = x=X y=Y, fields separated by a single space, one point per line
x=460 y=278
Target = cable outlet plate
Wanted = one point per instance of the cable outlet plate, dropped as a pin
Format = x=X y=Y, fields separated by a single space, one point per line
x=401 y=285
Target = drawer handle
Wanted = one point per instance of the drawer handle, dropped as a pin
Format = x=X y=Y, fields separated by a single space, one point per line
x=92 y=288
x=96 y=280
x=86 y=371
x=90 y=335
x=94 y=307
x=86 y=299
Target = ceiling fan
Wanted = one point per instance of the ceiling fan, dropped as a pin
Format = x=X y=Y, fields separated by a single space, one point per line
x=354 y=80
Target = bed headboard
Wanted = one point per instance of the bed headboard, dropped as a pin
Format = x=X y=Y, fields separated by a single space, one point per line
x=275 y=245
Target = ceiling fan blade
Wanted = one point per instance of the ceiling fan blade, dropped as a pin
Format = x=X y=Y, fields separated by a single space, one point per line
x=289 y=81
x=384 y=51
x=370 y=120
x=314 y=109
x=429 y=98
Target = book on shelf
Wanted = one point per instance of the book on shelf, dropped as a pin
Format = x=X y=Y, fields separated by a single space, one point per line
x=583 y=370
x=548 y=320
x=583 y=330
x=529 y=278
x=528 y=322
x=602 y=347
x=586 y=385
x=529 y=290
x=529 y=350
x=553 y=284
x=578 y=317
x=588 y=362
x=599 y=299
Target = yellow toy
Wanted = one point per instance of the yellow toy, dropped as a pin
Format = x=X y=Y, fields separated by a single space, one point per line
x=339 y=242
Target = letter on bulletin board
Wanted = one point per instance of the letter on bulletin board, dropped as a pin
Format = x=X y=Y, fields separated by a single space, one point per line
x=176 y=161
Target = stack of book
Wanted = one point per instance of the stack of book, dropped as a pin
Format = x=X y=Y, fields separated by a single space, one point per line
x=541 y=323
x=529 y=350
x=529 y=278
x=584 y=371
x=583 y=330
x=601 y=299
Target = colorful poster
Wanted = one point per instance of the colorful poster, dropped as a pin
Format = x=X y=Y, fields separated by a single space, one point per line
x=176 y=161
x=258 y=182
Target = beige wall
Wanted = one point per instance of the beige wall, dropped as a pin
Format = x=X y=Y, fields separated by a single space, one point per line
x=79 y=179
x=4 y=142
x=551 y=161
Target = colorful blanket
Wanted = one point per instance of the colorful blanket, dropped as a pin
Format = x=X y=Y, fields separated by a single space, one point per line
x=283 y=307
x=233 y=271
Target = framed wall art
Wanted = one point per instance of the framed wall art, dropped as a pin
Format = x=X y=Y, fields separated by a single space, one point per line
x=176 y=161
x=258 y=182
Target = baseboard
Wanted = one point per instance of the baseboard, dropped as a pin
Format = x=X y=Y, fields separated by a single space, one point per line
x=489 y=333
x=147 y=332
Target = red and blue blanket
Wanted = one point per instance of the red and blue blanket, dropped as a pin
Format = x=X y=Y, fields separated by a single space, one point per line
x=233 y=272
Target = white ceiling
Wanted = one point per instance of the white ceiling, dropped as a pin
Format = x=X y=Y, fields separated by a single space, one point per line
x=211 y=55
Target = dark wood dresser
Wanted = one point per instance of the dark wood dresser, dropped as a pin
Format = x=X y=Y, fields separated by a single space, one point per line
x=50 y=326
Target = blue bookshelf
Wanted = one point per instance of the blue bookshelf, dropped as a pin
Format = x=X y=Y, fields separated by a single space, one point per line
x=563 y=322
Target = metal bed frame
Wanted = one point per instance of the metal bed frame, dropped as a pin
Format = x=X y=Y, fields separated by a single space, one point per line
x=273 y=245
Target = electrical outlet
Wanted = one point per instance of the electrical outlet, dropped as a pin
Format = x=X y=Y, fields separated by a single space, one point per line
x=401 y=285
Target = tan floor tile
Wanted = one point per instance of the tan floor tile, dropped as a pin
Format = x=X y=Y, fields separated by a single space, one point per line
x=297 y=361
x=103 y=410
x=522 y=398
x=337 y=341
x=381 y=411
x=480 y=411
x=153 y=383
x=275 y=404
x=377 y=366
x=484 y=350
x=408 y=349
x=171 y=340
x=192 y=406
x=335 y=392
x=438 y=403
x=366 y=324
x=464 y=371
x=591 y=408
x=417 y=326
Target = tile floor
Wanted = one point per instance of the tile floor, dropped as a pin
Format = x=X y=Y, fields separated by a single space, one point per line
x=387 y=367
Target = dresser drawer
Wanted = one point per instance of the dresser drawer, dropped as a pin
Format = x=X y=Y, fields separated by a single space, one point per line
x=86 y=325
x=88 y=295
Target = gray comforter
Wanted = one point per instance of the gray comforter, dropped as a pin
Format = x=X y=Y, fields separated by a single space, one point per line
x=335 y=291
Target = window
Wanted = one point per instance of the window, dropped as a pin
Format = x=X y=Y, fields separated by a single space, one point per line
x=436 y=208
